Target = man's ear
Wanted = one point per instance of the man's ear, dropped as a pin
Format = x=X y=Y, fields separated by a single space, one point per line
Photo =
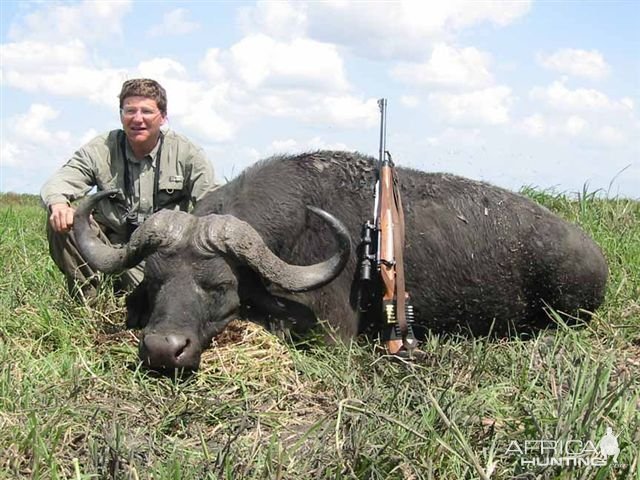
x=138 y=307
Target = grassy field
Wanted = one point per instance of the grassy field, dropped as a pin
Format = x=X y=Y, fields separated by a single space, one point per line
x=74 y=403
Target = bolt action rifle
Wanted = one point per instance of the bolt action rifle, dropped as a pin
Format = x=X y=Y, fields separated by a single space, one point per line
x=382 y=251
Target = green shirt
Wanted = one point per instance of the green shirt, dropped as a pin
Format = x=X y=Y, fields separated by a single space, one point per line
x=185 y=175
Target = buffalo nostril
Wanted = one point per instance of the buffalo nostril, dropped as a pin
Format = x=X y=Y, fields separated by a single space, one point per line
x=175 y=345
x=166 y=351
x=180 y=350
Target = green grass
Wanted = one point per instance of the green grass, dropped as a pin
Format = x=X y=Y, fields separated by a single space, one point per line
x=74 y=403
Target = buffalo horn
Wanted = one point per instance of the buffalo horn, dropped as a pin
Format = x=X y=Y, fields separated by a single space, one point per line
x=228 y=234
x=164 y=228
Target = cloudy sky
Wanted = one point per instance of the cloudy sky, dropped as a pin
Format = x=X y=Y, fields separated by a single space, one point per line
x=545 y=94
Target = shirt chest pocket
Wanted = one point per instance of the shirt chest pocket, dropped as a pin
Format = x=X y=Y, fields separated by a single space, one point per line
x=171 y=191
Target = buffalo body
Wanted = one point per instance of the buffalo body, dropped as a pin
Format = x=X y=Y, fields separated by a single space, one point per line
x=477 y=258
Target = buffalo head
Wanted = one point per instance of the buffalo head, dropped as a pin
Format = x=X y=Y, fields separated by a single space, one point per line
x=190 y=289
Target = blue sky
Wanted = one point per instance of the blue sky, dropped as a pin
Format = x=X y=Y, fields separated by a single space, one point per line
x=544 y=94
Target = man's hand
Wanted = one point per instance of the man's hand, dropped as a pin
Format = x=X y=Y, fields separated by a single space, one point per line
x=61 y=218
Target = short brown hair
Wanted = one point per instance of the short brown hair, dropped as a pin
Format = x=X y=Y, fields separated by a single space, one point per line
x=145 y=87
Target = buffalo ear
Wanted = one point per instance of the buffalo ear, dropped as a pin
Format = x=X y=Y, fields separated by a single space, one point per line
x=138 y=307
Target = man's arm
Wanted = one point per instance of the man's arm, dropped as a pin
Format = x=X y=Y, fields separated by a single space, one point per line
x=71 y=181
x=202 y=176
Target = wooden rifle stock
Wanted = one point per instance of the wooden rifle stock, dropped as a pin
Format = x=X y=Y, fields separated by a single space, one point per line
x=387 y=234
x=391 y=248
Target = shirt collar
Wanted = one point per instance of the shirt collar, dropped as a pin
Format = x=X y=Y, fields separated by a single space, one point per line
x=149 y=156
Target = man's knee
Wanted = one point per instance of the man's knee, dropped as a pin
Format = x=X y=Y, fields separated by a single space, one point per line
x=82 y=280
x=64 y=250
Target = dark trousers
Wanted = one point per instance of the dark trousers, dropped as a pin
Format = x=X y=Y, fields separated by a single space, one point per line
x=82 y=280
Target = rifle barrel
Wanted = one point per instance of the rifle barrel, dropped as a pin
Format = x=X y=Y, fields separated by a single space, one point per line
x=382 y=105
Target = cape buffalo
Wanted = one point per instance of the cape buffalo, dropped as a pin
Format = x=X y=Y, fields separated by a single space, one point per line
x=477 y=257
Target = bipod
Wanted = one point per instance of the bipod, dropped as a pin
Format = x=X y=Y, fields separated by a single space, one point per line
x=396 y=341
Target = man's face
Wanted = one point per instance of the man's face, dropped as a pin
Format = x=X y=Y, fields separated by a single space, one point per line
x=141 y=119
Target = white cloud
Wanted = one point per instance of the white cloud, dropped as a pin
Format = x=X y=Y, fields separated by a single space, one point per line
x=209 y=124
x=502 y=13
x=185 y=97
x=627 y=102
x=347 y=110
x=262 y=77
x=196 y=106
x=88 y=21
x=87 y=136
x=580 y=63
x=489 y=106
x=36 y=56
x=300 y=79
x=204 y=110
x=60 y=69
x=467 y=137
x=596 y=132
x=557 y=96
x=99 y=86
x=161 y=67
x=278 y=146
x=294 y=146
x=211 y=65
x=10 y=154
x=32 y=126
x=49 y=53
x=31 y=145
x=283 y=20
x=583 y=116
x=344 y=111
x=448 y=67
x=261 y=61
x=410 y=101
x=534 y=125
x=401 y=29
x=174 y=23
x=611 y=136
x=575 y=125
